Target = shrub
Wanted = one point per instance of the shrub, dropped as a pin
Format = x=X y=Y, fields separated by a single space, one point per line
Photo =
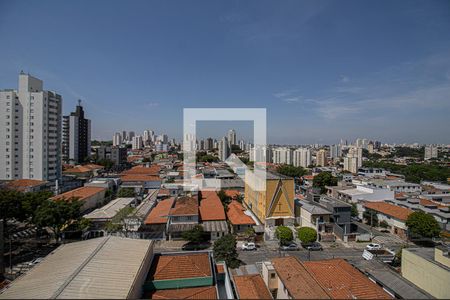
x=307 y=234
x=284 y=234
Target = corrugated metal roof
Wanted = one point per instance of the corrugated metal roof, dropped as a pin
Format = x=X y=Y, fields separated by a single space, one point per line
x=109 y=210
x=98 y=268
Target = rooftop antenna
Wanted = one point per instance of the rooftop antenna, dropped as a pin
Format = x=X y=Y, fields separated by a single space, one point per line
x=79 y=102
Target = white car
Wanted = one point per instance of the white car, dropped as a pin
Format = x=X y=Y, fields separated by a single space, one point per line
x=373 y=246
x=248 y=246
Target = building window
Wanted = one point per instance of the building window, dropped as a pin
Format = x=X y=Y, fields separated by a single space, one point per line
x=272 y=275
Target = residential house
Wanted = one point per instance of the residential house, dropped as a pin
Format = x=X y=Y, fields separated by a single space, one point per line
x=156 y=221
x=25 y=185
x=290 y=278
x=100 y=216
x=212 y=215
x=395 y=216
x=183 y=216
x=240 y=220
x=187 y=275
x=90 y=196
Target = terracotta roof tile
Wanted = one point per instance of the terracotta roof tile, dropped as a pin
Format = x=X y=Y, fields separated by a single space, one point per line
x=232 y=193
x=81 y=193
x=139 y=177
x=297 y=280
x=166 y=267
x=158 y=215
x=426 y=202
x=342 y=281
x=204 y=292
x=237 y=216
x=251 y=287
x=143 y=170
x=211 y=208
x=185 y=206
x=23 y=184
x=392 y=210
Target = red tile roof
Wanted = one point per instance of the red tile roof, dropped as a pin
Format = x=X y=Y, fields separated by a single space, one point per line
x=251 y=287
x=211 y=208
x=158 y=215
x=392 y=210
x=297 y=280
x=143 y=170
x=204 y=292
x=342 y=281
x=83 y=168
x=139 y=177
x=185 y=206
x=23 y=184
x=426 y=202
x=232 y=193
x=167 y=267
x=81 y=193
x=237 y=216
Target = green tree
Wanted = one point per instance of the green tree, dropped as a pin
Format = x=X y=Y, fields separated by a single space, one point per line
x=224 y=198
x=249 y=233
x=422 y=225
x=384 y=224
x=324 y=179
x=225 y=249
x=57 y=214
x=291 y=171
x=284 y=234
x=126 y=193
x=10 y=206
x=371 y=217
x=354 y=211
x=195 y=235
x=307 y=235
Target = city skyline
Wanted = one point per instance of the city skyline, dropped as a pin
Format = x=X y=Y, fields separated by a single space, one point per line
x=320 y=77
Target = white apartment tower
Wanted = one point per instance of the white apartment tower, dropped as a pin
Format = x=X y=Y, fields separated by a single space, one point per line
x=30 y=146
x=117 y=139
x=302 y=157
x=137 y=142
x=431 y=151
x=353 y=160
x=321 y=158
x=231 y=137
x=282 y=156
x=224 y=149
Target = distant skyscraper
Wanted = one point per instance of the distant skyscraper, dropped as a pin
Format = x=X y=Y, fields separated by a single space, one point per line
x=209 y=145
x=130 y=136
x=353 y=160
x=146 y=139
x=335 y=151
x=124 y=136
x=137 y=142
x=321 y=158
x=282 y=155
x=431 y=151
x=224 y=149
x=76 y=146
x=302 y=157
x=30 y=144
x=231 y=137
x=117 y=139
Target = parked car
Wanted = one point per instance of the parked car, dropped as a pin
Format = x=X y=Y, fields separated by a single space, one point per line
x=316 y=246
x=35 y=261
x=195 y=246
x=290 y=247
x=249 y=246
x=373 y=246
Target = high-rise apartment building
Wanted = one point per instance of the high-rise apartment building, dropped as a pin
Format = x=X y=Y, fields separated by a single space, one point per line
x=76 y=139
x=431 y=151
x=117 y=139
x=130 y=136
x=302 y=157
x=224 y=149
x=261 y=153
x=209 y=145
x=321 y=158
x=30 y=117
x=353 y=160
x=231 y=137
x=335 y=151
x=136 y=142
x=282 y=155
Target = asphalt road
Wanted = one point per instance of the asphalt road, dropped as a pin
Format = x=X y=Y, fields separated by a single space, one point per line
x=265 y=254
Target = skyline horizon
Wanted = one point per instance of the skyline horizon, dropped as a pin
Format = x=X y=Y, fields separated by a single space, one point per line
x=324 y=71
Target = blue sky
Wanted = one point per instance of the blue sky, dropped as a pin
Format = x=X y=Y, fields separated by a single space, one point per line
x=325 y=70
